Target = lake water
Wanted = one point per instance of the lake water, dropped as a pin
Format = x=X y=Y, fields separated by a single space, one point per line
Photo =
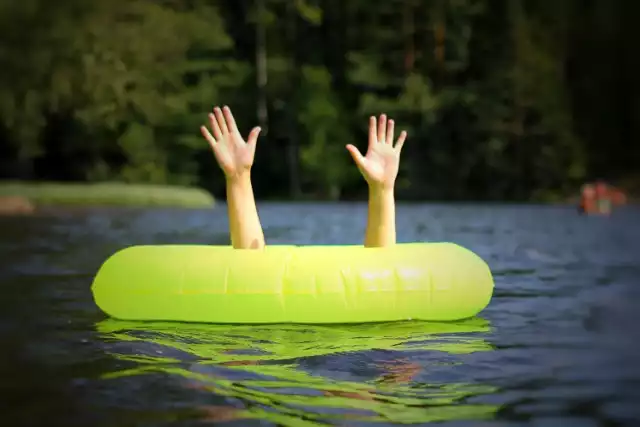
x=559 y=345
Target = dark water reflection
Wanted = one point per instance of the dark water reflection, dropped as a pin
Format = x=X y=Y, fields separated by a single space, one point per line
x=559 y=344
x=315 y=373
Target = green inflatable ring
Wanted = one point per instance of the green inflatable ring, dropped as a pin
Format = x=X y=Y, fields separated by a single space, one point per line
x=294 y=284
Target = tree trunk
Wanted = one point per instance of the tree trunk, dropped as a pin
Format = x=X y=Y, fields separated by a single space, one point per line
x=261 y=66
x=293 y=147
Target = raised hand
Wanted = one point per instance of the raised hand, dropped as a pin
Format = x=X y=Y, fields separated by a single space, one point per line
x=235 y=157
x=380 y=165
x=233 y=154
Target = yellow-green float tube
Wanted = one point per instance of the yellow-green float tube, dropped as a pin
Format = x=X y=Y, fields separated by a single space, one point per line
x=294 y=284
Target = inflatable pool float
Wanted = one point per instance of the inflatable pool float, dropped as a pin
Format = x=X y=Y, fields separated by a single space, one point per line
x=293 y=284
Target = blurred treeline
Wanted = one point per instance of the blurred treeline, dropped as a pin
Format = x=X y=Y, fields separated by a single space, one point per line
x=503 y=99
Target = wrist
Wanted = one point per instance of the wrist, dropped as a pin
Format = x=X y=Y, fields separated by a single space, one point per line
x=239 y=187
x=238 y=180
x=380 y=192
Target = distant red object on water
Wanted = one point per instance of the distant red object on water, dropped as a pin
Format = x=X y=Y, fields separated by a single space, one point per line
x=599 y=198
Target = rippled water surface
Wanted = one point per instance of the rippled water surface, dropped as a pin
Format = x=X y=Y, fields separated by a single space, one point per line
x=558 y=345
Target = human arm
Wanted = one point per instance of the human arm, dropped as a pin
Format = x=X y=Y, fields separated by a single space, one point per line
x=381 y=218
x=380 y=169
x=235 y=158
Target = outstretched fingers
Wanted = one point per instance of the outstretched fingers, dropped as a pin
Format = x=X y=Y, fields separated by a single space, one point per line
x=390 y=130
x=230 y=121
x=215 y=147
x=400 y=141
x=252 y=139
x=382 y=128
x=213 y=122
x=221 y=120
x=207 y=135
x=357 y=156
x=373 y=131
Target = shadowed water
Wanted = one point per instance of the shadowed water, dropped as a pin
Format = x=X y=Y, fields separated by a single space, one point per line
x=558 y=345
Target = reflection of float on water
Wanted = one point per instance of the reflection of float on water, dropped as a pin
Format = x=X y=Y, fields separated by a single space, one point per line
x=271 y=372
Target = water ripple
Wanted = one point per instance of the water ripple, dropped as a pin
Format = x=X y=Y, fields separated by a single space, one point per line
x=557 y=345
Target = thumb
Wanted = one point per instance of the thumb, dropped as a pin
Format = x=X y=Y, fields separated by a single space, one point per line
x=253 y=135
x=357 y=157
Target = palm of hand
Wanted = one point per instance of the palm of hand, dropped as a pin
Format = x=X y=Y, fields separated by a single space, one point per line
x=233 y=154
x=380 y=165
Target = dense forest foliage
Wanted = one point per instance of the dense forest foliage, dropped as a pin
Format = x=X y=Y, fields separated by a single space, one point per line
x=502 y=99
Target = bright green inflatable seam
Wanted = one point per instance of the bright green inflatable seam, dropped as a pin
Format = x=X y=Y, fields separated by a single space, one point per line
x=306 y=284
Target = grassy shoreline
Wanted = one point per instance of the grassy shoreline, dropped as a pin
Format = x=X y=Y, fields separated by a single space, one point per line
x=106 y=194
